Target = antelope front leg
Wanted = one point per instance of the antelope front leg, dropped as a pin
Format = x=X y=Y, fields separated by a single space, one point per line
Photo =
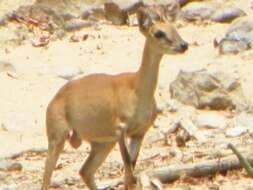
x=134 y=148
x=129 y=177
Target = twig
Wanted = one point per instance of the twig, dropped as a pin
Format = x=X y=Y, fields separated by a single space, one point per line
x=244 y=162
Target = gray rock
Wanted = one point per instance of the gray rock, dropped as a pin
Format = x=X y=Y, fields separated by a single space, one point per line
x=68 y=16
x=238 y=37
x=182 y=138
x=211 y=10
x=198 y=11
x=216 y=91
x=68 y=71
x=93 y=13
x=211 y=120
x=74 y=25
x=243 y=25
x=117 y=11
x=6 y=165
x=193 y=131
x=227 y=14
x=227 y=46
x=170 y=106
x=169 y=10
x=235 y=131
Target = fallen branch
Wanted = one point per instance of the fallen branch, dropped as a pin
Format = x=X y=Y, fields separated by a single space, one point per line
x=175 y=172
x=205 y=168
x=33 y=150
x=244 y=162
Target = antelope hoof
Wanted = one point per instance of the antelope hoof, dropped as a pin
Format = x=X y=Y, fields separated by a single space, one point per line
x=130 y=182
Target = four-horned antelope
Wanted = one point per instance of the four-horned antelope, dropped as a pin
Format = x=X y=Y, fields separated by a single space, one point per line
x=105 y=109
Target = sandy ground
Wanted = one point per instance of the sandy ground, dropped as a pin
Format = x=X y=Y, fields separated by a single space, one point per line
x=111 y=49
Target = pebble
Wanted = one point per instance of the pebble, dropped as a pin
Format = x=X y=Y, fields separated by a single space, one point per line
x=60 y=180
x=10 y=166
x=236 y=131
x=211 y=120
x=170 y=106
x=68 y=16
x=68 y=71
x=74 y=25
x=214 y=186
x=6 y=67
x=9 y=187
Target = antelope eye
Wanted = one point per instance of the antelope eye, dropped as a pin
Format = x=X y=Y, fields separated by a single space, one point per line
x=159 y=34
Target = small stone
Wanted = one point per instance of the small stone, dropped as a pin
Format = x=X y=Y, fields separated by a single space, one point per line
x=211 y=120
x=170 y=106
x=187 y=158
x=62 y=180
x=6 y=165
x=94 y=13
x=9 y=187
x=236 y=131
x=245 y=120
x=214 y=186
x=193 y=131
x=15 y=167
x=143 y=181
x=3 y=21
x=176 y=152
x=182 y=138
x=68 y=16
x=75 y=25
x=6 y=67
x=162 y=122
x=157 y=184
x=68 y=71
x=59 y=34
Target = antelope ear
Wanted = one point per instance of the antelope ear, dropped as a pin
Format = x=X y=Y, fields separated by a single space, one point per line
x=146 y=18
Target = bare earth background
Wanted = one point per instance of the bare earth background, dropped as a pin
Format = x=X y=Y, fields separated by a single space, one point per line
x=24 y=98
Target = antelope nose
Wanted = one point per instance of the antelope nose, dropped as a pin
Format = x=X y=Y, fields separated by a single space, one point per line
x=184 y=45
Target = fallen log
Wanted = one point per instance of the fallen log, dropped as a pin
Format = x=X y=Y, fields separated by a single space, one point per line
x=175 y=172
x=204 y=168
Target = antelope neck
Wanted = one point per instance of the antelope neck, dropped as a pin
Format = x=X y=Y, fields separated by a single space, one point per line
x=148 y=74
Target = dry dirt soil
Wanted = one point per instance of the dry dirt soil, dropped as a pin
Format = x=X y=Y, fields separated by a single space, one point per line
x=25 y=96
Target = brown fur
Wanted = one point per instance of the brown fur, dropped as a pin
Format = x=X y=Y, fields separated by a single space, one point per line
x=105 y=109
